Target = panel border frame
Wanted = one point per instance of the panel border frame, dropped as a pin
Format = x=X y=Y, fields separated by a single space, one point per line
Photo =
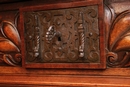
x=101 y=65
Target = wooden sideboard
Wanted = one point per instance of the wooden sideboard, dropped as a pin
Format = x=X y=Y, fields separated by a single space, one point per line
x=70 y=43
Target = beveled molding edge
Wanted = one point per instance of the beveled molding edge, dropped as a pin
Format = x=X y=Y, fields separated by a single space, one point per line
x=63 y=80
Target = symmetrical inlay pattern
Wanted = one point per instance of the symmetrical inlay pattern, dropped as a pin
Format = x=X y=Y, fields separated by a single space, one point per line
x=64 y=35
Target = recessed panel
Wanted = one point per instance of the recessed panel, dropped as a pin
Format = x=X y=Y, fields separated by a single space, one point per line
x=64 y=37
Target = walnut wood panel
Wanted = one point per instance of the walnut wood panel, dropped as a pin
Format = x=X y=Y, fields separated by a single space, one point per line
x=67 y=36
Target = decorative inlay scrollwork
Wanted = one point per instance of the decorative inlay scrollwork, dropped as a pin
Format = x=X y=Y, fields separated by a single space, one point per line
x=64 y=35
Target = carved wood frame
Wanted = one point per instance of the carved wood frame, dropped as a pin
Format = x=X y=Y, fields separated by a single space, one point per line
x=100 y=65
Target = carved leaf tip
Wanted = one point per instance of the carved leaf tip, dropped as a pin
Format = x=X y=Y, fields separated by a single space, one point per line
x=120 y=28
x=7 y=46
x=9 y=30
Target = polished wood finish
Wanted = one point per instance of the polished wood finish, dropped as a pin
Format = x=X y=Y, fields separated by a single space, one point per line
x=117 y=33
x=116 y=18
x=69 y=81
x=20 y=77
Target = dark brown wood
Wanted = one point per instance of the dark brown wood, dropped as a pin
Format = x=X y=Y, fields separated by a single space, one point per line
x=25 y=3
x=42 y=48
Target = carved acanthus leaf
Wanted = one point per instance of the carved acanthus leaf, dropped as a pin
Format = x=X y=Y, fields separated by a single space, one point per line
x=123 y=44
x=10 y=44
x=119 y=41
x=7 y=46
x=109 y=17
x=10 y=31
x=119 y=28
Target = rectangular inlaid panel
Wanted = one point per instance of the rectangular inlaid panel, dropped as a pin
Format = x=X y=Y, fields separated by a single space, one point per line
x=62 y=37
